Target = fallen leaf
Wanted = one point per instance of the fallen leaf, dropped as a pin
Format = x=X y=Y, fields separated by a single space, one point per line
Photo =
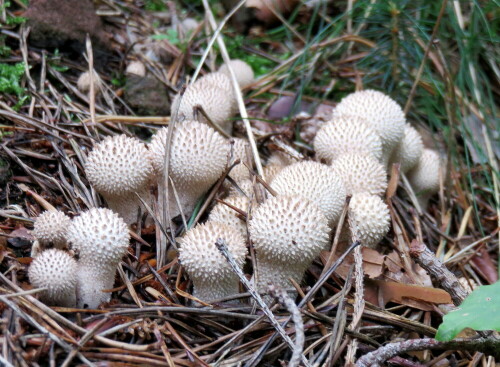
x=372 y=262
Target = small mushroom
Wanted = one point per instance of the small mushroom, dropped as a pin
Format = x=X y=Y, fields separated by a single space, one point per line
x=212 y=276
x=382 y=114
x=198 y=158
x=222 y=213
x=424 y=177
x=409 y=150
x=118 y=168
x=240 y=171
x=361 y=173
x=100 y=237
x=288 y=233
x=368 y=219
x=83 y=83
x=243 y=72
x=55 y=270
x=315 y=182
x=136 y=68
x=50 y=229
x=346 y=135
x=214 y=94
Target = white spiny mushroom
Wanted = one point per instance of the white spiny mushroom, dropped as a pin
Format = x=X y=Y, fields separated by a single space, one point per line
x=361 y=173
x=222 y=213
x=424 y=177
x=409 y=150
x=346 y=135
x=315 y=182
x=118 y=168
x=288 y=233
x=212 y=276
x=382 y=114
x=243 y=72
x=55 y=270
x=50 y=229
x=101 y=238
x=198 y=158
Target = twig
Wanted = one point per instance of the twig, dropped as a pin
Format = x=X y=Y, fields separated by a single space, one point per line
x=222 y=247
x=377 y=357
x=283 y=298
x=426 y=259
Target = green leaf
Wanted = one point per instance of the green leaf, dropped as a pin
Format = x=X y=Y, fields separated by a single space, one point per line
x=479 y=311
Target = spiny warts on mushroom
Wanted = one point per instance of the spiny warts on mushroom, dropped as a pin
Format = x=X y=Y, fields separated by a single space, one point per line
x=346 y=135
x=424 y=177
x=368 y=219
x=209 y=270
x=243 y=72
x=409 y=150
x=55 y=270
x=282 y=159
x=288 y=233
x=315 y=182
x=222 y=213
x=100 y=237
x=198 y=158
x=50 y=229
x=361 y=173
x=239 y=150
x=382 y=114
x=118 y=168
x=213 y=94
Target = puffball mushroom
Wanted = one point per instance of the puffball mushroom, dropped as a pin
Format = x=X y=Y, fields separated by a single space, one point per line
x=213 y=95
x=382 y=114
x=409 y=150
x=243 y=72
x=221 y=213
x=209 y=270
x=240 y=171
x=361 y=173
x=424 y=177
x=198 y=157
x=315 y=182
x=368 y=219
x=345 y=135
x=50 y=229
x=118 y=167
x=100 y=237
x=55 y=270
x=83 y=83
x=136 y=68
x=288 y=232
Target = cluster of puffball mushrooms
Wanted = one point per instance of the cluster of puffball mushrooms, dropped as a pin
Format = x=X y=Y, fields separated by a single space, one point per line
x=298 y=210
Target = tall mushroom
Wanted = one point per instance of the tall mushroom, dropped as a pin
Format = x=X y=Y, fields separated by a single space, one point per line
x=100 y=238
x=56 y=271
x=288 y=232
x=424 y=177
x=198 y=157
x=119 y=168
x=212 y=276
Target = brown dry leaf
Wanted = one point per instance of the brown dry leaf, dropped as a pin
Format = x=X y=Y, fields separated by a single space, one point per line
x=483 y=261
x=396 y=271
x=410 y=295
x=372 y=262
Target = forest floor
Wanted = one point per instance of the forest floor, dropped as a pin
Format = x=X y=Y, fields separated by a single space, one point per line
x=438 y=60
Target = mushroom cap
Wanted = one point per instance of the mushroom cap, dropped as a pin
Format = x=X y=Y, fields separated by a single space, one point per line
x=345 y=135
x=288 y=229
x=409 y=149
x=315 y=182
x=201 y=258
x=280 y=159
x=245 y=185
x=240 y=171
x=243 y=72
x=369 y=218
x=51 y=227
x=101 y=238
x=189 y=25
x=198 y=155
x=270 y=172
x=136 y=68
x=219 y=80
x=221 y=213
x=424 y=177
x=216 y=100
x=381 y=112
x=361 y=173
x=83 y=82
x=55 y=270
x=118 y=166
